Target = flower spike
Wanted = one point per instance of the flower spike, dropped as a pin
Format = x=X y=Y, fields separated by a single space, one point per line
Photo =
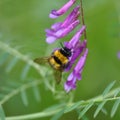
x=73 y=50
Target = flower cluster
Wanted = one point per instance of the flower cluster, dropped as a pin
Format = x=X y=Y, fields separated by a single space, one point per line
x=78 y=47
x=61 y=29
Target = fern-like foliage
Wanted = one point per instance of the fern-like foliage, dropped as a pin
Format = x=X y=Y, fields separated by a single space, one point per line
x=81 y=106
x=12 y=56
x=12 y=88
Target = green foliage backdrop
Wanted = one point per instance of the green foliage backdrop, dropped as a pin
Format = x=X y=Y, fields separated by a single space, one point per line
x=29 y=90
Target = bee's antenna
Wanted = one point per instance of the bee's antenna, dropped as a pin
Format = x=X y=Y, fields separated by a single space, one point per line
x=61 y=44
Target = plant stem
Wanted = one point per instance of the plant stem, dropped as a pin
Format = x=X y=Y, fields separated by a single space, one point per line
x=34 y=115
x=100 y=98
x=16 y=91
x=83 y=22
x=24 y=58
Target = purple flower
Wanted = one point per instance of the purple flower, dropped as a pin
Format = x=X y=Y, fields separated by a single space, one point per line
x=61 y=29
x=76 y=46
x=73 y=43
x=76 y=73
x=118 y=55
x=62 y=10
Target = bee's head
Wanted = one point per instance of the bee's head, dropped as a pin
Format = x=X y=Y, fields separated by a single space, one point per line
x=65 y=51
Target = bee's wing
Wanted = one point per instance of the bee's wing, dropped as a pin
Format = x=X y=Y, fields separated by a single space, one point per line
x=58 y=76
x=41 y=60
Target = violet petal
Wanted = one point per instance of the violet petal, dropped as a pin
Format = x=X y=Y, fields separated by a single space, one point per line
x=62 y=10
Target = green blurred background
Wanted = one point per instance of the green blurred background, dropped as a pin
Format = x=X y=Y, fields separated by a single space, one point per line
x=22 y=26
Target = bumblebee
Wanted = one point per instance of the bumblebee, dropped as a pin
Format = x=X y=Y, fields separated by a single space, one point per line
x=59 y=60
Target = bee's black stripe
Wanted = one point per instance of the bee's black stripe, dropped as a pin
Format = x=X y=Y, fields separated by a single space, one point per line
x=66 y=52
x=57 y=60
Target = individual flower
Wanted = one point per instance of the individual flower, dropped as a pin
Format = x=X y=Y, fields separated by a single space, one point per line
x=62 y=10
x=118 y=54
x=61 y=29
x=76 y=73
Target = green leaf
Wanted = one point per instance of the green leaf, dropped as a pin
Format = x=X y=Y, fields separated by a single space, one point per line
x=82 y=113
x=1 y=95
x=72 y=107
x=104 y=111
x=85 y=117
x=6 y=89
x=3 y=58
x=12 y=64
x=2 y=114
x=116 y=92
x=108 y=88
x=24 y=97
x=54 y=107
x=36 y=92
x=14 y=84
x=115 y=107
x=99 y=108
x=58 y=115
x=25 y=71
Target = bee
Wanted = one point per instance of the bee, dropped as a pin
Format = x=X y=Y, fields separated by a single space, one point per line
x=58 y=60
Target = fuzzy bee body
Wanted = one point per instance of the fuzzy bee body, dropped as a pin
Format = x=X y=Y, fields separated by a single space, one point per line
x=59 y=60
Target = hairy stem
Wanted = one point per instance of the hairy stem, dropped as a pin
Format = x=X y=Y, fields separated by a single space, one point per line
x=109 y=97
x=16 y=53
x=18 y=90
x=83 y=22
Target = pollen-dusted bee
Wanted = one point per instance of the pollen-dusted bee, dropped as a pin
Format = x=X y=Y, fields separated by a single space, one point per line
x=59 y=60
